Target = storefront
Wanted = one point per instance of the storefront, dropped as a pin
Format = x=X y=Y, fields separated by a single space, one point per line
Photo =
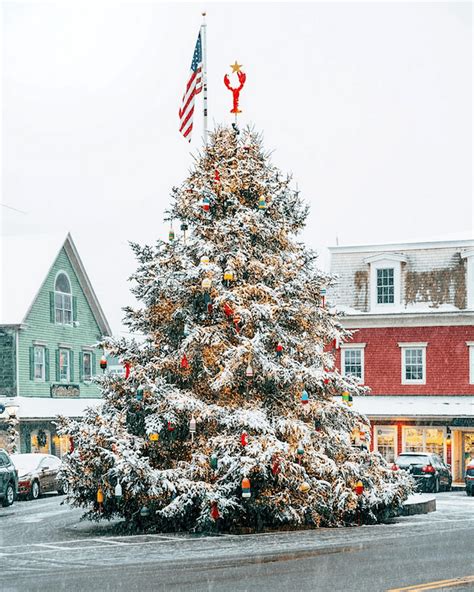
x=442 y=425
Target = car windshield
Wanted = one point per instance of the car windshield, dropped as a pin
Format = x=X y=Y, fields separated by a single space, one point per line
x=412 y=459
x=26 y=462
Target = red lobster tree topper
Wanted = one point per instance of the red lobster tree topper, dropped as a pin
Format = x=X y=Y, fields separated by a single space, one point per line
x=236 y=91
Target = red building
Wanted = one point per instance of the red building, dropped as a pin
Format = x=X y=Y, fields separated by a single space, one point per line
x=411 y=310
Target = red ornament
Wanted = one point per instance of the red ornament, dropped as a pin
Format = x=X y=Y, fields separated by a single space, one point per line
x=276 y=467
x=170 y=427
x=359 y=488
x=279 y=349
x=71 y=444
x=215 y=511
x=184 y=362
x=228 y=310
x=209 y=308
x=217 y=177
x=236 y=91
x=244 y=439
x=127 y=369
x=103 y=363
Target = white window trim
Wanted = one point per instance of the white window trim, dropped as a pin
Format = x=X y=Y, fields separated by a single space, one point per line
x=376 y=438
x=347 y=346
x=424 y=428
x=63 y=293
x=469 y=255
x=68 y=379
x=416 y=345
x=84 y=378
x=470 y=345
x=385 y=261
x=43 y=373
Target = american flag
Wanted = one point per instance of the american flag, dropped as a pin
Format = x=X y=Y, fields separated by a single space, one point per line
x=193 y=88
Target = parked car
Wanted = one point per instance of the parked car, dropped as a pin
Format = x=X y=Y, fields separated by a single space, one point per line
x=8 y=479
x=469 y=478
x=37 y=474
x=428 y=469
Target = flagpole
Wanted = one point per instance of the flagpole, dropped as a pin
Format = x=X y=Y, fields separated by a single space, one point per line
x=204 y=74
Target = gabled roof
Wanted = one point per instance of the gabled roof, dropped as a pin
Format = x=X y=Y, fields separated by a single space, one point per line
x=25 y=262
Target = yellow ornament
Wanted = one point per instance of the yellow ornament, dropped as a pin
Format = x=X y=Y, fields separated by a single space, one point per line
x=204 y=260
x=228 y=275
x=154 y=437
x=235 y=67
x=304 y=487
x=206 y=284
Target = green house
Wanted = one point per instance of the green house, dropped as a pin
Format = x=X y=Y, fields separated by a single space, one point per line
x=50 y=319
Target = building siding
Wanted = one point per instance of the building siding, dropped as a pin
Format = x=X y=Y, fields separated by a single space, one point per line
x=447 y=359
x=39 y=327
x=7 y=362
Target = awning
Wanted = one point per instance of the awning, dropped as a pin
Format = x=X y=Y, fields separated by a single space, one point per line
x=415 y=406
x=47 y=407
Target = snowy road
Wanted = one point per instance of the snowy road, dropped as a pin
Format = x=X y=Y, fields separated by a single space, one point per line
x=43 y=546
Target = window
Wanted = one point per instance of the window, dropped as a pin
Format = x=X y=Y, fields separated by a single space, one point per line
x=39 y=363
x=470 y=345
x=385 y=286
x=418 y=439
x=352 y=360
x=40 y=441
x=86 y=366
x=386 y=442
x=64 y=365
x=63 y=300
x=413 y=363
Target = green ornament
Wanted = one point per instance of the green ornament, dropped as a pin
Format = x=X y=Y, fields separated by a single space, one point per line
x=214 y=462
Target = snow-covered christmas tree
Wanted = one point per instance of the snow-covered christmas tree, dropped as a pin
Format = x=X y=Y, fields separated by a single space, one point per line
x=230 y=412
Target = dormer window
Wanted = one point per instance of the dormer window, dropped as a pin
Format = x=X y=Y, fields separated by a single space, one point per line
x=62 y=300
x=385 y=281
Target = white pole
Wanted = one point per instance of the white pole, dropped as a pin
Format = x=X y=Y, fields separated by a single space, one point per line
x=204 y=74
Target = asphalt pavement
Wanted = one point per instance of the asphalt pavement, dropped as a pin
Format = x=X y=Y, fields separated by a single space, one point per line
x=44 y=546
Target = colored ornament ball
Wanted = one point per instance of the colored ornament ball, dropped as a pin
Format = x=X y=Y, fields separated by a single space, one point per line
x=246 y=487
x=205 y=204
x=304 y=398
x=262 y=203
x=103 y=363
x=244 y=439
x=144 y=512
x=304 y=487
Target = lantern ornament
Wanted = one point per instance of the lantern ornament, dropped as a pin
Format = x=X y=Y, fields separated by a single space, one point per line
x=345 y=397
x=262 y=203
x=244 y=439
x=206 y=203
x=228 y=276
x=184 y=362
x=215 y=511
x=154 y=437
x=192 y=427
x=204 y=260
x=322 y=293
x=304 y=397
x=171 y=235
x=304 y=487
x=359 y=488
x=214 y=461
x=246 y=488
x=118 y=491
x=103 y=363
x=279 y=350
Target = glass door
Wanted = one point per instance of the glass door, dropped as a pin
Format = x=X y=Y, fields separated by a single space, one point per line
x=467 y=450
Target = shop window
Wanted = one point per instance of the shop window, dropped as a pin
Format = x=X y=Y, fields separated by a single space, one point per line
x=41 y=441
x=386 y=442
x=418 y=439
x=62 y=445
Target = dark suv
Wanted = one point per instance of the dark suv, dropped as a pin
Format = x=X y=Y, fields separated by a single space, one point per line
x=8 y=479
x=428 y=469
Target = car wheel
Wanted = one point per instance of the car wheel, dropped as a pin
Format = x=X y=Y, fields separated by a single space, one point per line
x=35 y=490
x=64 y=488
x=9 y=495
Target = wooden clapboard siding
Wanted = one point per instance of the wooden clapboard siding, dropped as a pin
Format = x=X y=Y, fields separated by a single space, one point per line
x=38 y=327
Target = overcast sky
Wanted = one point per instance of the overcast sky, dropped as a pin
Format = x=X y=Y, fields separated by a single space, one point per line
x=368 y=104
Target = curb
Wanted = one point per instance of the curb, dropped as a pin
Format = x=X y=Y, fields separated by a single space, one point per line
x=419 y=504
